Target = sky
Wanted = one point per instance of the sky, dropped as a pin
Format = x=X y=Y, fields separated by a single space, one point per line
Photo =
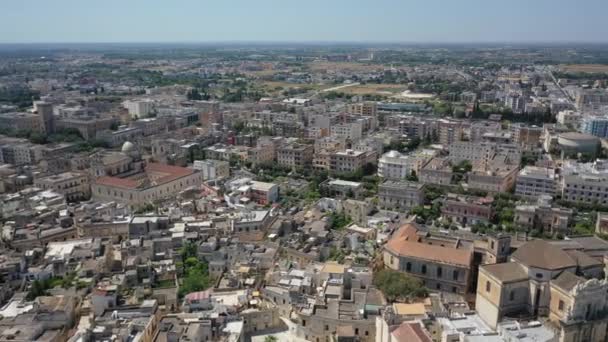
x=415 y=21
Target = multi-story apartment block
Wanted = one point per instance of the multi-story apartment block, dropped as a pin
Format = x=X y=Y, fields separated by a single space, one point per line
x=591 y=98
x=295 y=155
x=212 y=169
x=586 y=188
x=352 y=131
x=264 y=193
x=596 y=126
x=481 y=151
x=73 y=185
x=139 y=108
x=399 y=195
x=22 y=122
x=533 y=182
x=479 y=128
x=527 y=136
x=451 y=131
x=350 y=161
x=412 y=126
x=467 y=210
x=436 y=171
x=569 y=118
x=363 y=108
x=441 y=265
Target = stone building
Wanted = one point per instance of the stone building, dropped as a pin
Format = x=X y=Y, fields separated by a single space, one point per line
x=441 y=265
x=400 y=195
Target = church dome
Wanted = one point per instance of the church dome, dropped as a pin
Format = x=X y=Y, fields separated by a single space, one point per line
x=127 y=147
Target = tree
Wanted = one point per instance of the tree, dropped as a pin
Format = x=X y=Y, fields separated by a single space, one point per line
x=412 y=177
x=398 y=285
x=270 y=339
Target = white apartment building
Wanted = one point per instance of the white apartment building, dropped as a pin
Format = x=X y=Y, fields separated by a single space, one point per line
x=139 y=108
x=569 y=118
x=481 y=151
x=212 y=169
x=533 y=182
x=395 y=165
x=352 y=131
x=585 y=183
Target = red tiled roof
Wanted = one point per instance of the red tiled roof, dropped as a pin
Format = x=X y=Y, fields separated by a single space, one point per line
x=411 y=332
x=167 y=173
x=198 y=295
x=406 y=243
x=117 y=182
x=173 y=172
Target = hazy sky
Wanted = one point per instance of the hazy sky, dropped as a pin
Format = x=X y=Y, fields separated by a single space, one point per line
x=304 y=20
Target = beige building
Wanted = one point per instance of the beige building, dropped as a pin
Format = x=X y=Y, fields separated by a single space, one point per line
x=578 y=308
x=155 y=182
x=73 y=185
x=467 y=210
x=363 y=108
x=350 y=160
x=441 y=265
x=524 y=285
x=543 y=217
x=400 y=195
x=498 y=175
x=295 y=155
x=436 y=171
x=22 y=122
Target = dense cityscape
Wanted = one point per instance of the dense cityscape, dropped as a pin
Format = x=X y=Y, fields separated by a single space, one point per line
x=304 y=192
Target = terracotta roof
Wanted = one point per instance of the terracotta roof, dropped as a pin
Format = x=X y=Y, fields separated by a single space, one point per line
x=173 y=172
x=541 y=254
x=164 y=174
x=405 y=243
x=583 y=260
x=411 y=332
x=117 y=182
x=506 y=272
x=567 y=281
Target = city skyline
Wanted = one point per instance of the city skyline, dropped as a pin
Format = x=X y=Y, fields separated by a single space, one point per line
x=386 y=21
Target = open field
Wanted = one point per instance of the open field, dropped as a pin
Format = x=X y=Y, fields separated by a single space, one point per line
x=589 y=68
x=373 y=89
x=344 y=66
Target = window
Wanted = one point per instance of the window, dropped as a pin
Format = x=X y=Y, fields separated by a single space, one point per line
x=327 y=328
x=455 y=275
x=438 y=286
x=408 y=267
x=539 y=275
x=560 y=306
x=304 y=323
x=423 y=270
x=439 y=272
x=488 y=286
x=512 y=295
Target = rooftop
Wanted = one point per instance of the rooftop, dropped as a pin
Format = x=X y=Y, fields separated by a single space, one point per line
x=405 y=243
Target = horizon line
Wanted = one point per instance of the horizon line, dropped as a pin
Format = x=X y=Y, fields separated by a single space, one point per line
x=323 y=42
